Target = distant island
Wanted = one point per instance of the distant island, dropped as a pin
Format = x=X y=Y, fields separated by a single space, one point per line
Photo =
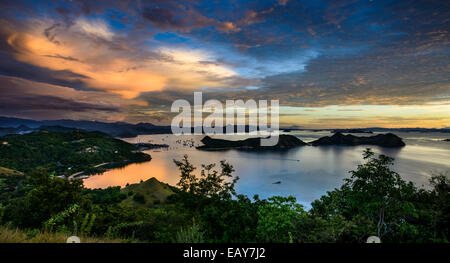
x=371 y=130
x=290 y=141
x=447 y=140
x=284 y=142
x=384 y=140
x=352 y=131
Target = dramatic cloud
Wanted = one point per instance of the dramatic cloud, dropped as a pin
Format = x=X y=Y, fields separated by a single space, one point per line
x=38 y=100
x=329 y=61
x=176 y=16
x=85 y=54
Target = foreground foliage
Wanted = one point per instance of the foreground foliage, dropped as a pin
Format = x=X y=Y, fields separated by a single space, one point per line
x=9 y=235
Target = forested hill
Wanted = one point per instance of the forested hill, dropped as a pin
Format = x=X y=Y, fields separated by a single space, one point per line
x=65 y=153
x=116 y=129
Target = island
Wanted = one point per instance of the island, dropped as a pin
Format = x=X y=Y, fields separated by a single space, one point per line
x=352 y=131
x=446 y=140
x=384 y=140
x=284 y=142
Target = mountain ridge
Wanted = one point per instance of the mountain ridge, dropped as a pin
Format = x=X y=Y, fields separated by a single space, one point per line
x=116 y=129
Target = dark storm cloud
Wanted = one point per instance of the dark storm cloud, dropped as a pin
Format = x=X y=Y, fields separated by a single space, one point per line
x=38 y=100
x=176 y=15
x=162 y=17
x=11 y=67
x=10 y=104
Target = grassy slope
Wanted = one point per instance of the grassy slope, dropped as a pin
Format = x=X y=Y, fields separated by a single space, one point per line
x=152 y=190
x=8 y=235
x=8 y=172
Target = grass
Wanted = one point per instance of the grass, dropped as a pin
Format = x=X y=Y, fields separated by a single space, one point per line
x=8 y=172
x=5 y=173
x=8 y=235
x=154 y=192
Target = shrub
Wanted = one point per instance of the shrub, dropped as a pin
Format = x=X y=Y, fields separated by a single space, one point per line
x=191 y=234
x=139 y=198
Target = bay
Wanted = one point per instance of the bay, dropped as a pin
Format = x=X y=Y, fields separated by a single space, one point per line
x=305 y=172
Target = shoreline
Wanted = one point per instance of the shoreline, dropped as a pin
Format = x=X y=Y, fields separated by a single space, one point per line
x=81 y=175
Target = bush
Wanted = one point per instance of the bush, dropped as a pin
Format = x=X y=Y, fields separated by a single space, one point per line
x=139 y=198
x=276 y=219
x=191 y=234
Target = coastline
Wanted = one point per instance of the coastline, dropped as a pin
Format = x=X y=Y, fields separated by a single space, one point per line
x=111 y=165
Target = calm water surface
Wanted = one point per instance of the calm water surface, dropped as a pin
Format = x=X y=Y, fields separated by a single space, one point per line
x=305 y=172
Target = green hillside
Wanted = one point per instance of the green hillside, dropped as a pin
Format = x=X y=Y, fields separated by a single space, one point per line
x=147 y=193
x=65 y=152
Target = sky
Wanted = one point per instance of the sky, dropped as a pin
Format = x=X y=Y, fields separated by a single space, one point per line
x=331 y=64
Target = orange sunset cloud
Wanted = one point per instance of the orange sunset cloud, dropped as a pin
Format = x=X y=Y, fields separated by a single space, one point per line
x=87 y=50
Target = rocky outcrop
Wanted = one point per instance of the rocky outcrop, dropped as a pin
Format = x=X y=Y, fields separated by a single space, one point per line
x=284 y=142
x=384 y=140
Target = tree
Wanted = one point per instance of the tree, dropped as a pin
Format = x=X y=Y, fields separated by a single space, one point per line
x=230 y=220
x=208 y=197
x=211 y=183
x=188 y=181
x=373 y=192
x=440 y=207
x=48 y=196
x=276 y=219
